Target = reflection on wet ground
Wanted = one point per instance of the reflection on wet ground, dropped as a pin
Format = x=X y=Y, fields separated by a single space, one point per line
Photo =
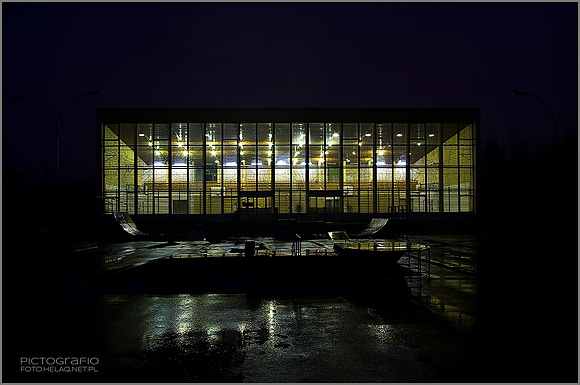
x=446 y=332
x=448 y=284
x=239 y=338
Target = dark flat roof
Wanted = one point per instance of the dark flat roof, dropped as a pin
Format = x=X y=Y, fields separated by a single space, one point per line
x=272 y=115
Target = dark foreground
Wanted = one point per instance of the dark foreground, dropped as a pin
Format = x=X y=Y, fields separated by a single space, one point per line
x=525 y=326
x=235 y=338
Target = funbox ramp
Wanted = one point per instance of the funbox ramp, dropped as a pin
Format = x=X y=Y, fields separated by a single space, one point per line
x=127 y=224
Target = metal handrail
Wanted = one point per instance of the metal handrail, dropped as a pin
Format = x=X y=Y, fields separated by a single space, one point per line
x=297 y=245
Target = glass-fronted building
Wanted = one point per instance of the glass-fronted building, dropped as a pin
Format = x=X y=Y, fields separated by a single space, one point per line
x=297 y=163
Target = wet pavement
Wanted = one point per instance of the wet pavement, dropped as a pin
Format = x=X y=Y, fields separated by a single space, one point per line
x=443 y=277
x=234 y=338
x=456 y=326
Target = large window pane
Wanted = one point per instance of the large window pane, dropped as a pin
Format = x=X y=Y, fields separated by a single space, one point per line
x=168 y=167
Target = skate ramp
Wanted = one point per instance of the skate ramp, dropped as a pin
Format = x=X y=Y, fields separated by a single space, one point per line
x=127 y=224
x=374 y=226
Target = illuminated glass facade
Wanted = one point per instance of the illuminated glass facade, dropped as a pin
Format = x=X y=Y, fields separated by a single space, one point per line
x=294 y=162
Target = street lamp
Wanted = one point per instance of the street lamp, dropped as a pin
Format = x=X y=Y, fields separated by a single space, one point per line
x=55 y=120
x=556 y=119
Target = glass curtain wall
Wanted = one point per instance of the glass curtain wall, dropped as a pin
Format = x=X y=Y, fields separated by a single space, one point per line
x=294 y=167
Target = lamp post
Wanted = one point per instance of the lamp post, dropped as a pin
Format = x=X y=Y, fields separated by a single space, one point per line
x=56 y=121
x=555 y=119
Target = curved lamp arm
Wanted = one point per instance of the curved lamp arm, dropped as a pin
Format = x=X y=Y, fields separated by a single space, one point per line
x=562 y=109
x=556 y=119
x=54 y=120
x=20 y=97
x=92 y=93
x=516 y=93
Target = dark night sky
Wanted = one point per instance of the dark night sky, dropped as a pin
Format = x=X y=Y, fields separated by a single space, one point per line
x=214 y=54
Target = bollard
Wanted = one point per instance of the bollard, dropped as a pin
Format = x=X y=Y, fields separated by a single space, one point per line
x=249 y=249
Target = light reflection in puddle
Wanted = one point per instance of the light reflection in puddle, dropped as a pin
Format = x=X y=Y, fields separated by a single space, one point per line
x=229 y=338
x=381 y=333
x=184 y=317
